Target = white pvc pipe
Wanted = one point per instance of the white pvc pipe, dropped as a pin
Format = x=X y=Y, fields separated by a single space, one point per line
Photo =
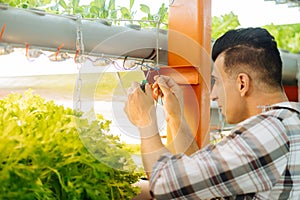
x=45 y=30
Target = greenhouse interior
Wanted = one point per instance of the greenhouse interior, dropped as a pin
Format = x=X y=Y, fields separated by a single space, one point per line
x=66 y=69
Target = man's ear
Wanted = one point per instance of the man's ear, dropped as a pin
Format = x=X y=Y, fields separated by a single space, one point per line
x=243 y=81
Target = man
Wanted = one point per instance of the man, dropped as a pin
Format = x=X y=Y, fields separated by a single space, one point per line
x=258 y=160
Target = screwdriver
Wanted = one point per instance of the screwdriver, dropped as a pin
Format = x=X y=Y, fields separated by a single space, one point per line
x=144 y=82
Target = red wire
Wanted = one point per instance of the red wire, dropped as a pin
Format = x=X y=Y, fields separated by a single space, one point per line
x=58 y=49
x=2 y=31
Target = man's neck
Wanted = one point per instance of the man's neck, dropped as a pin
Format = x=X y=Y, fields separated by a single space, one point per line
x=266 y=99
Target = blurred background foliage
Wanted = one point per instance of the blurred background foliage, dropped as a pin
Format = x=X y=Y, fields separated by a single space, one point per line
x=287 y=36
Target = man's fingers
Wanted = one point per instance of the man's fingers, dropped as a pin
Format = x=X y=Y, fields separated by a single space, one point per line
x=166 y=81
x=148 y=89
x=160 y=86
x=129 y=91
x=134 y=86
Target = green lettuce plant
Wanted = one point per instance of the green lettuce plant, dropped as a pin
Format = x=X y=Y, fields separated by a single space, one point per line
x=43 y=157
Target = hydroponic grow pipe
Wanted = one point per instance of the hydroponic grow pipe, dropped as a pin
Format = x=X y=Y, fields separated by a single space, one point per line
x=48 y=31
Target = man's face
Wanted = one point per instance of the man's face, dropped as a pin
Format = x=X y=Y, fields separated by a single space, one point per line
x=225 y=92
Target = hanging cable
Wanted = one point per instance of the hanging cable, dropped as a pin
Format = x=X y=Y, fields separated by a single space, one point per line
x=2 y=31
x=78 y=59
x=59 y=56
x=79 y=40
x=4 y=49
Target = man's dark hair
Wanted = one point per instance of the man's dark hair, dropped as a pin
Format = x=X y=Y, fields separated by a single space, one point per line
x=253 y=51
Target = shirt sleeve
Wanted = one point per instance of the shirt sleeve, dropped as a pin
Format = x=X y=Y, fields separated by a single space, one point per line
x=251 y=159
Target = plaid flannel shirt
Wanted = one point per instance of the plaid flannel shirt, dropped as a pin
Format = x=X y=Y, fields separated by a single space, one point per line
x=260 y=159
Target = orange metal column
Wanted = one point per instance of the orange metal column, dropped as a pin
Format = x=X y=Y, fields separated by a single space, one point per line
x=189 y=44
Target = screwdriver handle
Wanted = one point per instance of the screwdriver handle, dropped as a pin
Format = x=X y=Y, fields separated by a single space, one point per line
x=143 y=84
